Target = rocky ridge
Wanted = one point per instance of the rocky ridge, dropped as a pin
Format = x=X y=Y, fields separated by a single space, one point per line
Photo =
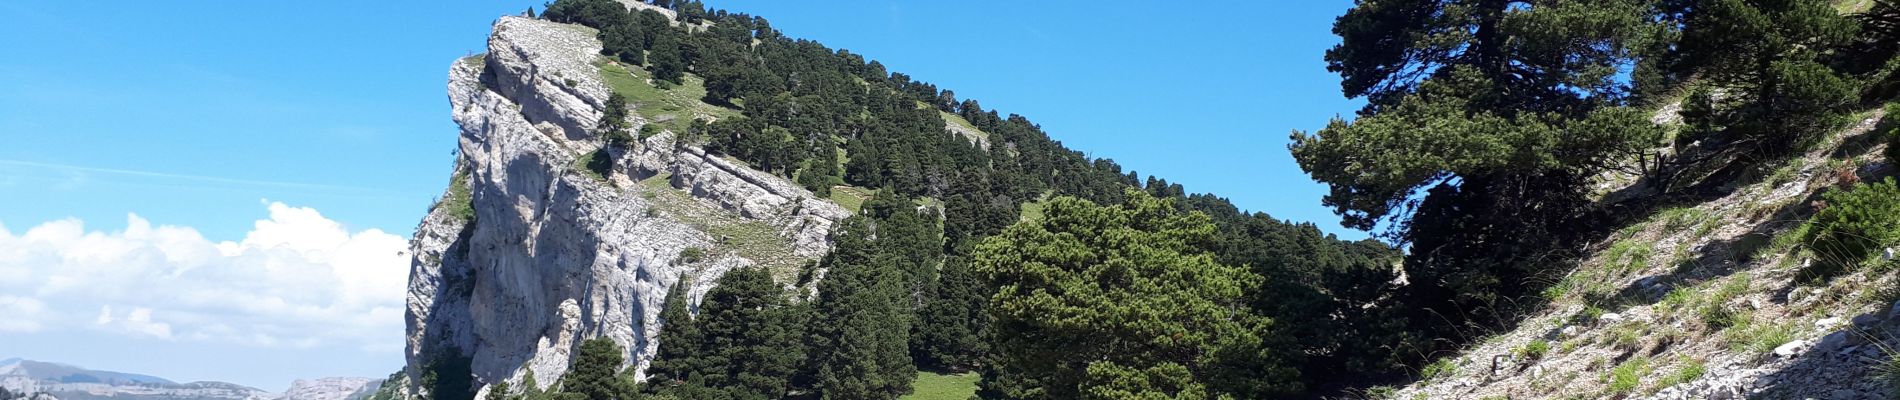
x=555 y=253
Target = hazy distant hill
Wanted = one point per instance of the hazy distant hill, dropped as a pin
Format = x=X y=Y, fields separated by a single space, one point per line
x=71 y=382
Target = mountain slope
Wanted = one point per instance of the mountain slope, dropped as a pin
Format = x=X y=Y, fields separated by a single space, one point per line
x=1707 y=300
x=557 y=228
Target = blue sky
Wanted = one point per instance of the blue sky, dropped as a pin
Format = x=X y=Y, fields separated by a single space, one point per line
x=260 y=123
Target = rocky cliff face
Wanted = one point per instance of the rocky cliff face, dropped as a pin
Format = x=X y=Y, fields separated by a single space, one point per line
x=555 y=254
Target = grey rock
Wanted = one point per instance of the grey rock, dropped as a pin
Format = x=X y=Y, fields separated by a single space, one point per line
x=329 y=388
x=555 y=256
x=1832 y=341
x=1827 y=323
x=1571 y=331
x=1792 y=348
x=1865 y=321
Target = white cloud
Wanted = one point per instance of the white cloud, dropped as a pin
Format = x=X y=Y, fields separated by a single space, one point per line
x=138 y=321
x=23 y=313
x=297 y=279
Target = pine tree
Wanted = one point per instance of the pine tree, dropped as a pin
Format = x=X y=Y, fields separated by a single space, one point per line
x=1122 y=302
x=860 y=350
x=1769 y=53
x=910 y=236
x=752 y=336
x=664 y=55
x=1458 y=127
x=595 y=372
x=448 y=377
x=531 y=389
x=613 y=121
x=745 y=344
x=679 y=340
x=949 y=328
x=499 y=390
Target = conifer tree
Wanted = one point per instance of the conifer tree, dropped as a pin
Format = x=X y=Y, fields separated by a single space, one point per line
x=679 y=340
x=613 y=121
x=1472 y=103
x=448 y=377
x=1122 y=302
x=595 y=372
x=745 y=344
x=860 y=352
x=499 y=390
x=950 y=326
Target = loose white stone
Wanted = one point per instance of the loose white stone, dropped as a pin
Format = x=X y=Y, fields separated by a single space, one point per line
x=1791 y=349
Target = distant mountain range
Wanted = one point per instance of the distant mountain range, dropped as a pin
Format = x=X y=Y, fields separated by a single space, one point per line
x=68 y=382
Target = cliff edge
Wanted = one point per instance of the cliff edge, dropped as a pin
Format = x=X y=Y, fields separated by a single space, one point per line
x=530 y=251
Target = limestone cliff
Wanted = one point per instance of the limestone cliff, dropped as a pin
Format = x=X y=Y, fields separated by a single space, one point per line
x=530 y=252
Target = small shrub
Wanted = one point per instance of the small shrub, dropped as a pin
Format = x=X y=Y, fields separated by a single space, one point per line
x=460 y=200
x=1893 y=133
x=1733 y=288
x=648 y=130
x=1589 y=315
x=1854 y=225
x=692 y=255
x=1626 y=337
x=1756 y=338
x=1569 y=346
x=1679 y=217
x=1535 y=350
x=1691 y=369
x=1629 y=255
x=1680 y=299
x=1627 y=376
x=1438 y=369
x=1717 y=316
x=1558 y=290
x=599 y=164
x=1382 y=393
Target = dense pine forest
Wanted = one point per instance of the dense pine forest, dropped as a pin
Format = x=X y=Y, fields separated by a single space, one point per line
x=1057 y=276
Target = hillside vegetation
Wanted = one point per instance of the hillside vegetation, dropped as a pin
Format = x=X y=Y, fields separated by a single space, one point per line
x=1545 y=230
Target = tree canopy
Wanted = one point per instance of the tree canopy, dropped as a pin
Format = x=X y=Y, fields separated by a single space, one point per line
x=1119 y=302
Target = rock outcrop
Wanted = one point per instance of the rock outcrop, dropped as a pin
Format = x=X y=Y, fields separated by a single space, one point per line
x=331 y=389
x=554 y=253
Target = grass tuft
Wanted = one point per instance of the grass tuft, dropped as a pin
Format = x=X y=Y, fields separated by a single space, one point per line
x=1627 y=376
x=935 y=386
x=1535 y=350
x=1438 y=369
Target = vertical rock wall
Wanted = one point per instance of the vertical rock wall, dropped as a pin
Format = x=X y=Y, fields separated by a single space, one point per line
x=553 y=255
